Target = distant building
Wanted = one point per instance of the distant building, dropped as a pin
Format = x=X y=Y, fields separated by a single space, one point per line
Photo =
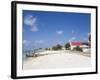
x=74 y=44
x=84 y=47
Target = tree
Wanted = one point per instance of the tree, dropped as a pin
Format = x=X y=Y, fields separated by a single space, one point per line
x=89 y=38
x=40 y=48
x=77 y=48
x=85 y=43
x=67 y=46
x=46 y=48
x=57 y=47
x=54 y=48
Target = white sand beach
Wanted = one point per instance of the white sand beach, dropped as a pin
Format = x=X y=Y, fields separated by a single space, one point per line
x=57 y=59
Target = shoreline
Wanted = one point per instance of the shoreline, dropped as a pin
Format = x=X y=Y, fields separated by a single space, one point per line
x=57 y=59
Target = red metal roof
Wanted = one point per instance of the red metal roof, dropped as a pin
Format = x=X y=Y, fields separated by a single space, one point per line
x=75 y=43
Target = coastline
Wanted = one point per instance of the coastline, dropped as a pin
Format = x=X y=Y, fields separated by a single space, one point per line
x=57 y=59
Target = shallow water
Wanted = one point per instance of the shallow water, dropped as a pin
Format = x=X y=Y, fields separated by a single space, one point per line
x=30 y=52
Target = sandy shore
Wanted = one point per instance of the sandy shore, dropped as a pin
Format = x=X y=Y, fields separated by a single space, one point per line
x=57 y=59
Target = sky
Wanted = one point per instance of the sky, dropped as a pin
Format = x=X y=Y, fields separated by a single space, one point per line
x=44 y=29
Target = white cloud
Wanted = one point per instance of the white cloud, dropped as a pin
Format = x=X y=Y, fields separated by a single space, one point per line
x=72 y=39
x=39 y=41
x=34 y=29
x=59 y=32
x=85 y=39
x=31 y=21
x=25 y=42
x=73 y=31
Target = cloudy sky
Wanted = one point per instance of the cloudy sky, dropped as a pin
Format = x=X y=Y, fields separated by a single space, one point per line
x=45 y=29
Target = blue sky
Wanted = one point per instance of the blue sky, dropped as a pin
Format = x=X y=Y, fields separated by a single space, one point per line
x=45 y=29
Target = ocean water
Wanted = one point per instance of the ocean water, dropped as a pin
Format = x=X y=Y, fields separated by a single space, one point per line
x=30 y=52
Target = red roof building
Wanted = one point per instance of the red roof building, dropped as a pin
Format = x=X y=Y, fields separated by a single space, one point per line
x=84 y=47
x=76 y=43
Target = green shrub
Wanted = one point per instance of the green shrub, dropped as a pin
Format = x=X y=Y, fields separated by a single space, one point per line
x=57 y=47
x=77 y=48
x=67 y=46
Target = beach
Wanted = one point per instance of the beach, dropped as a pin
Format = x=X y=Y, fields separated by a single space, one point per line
x=57 y=59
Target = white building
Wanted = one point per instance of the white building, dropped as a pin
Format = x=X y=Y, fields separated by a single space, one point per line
x=84 y=47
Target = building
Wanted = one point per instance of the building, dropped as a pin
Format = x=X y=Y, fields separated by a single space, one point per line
x=74 y=44
x=85 y=47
